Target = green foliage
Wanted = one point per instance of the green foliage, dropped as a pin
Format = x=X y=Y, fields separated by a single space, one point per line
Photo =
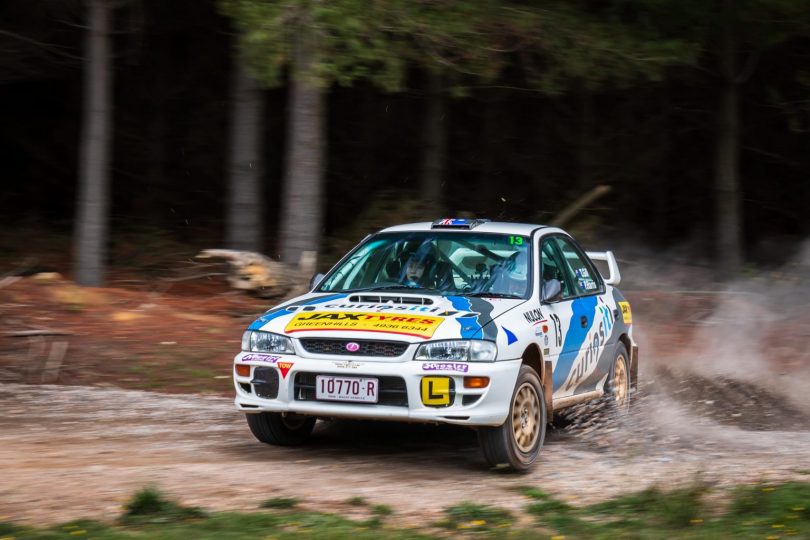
x=356 y=501
x=574 y=46
x=773 y=503
x=475 y=517
x=149 y=505
x=280 y=502
x=753 y=512
x=382 y=510
x=672 y=509
x=375 y=41
x=390 y=207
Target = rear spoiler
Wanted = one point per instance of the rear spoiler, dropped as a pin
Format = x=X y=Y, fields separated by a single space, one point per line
x=615 y=277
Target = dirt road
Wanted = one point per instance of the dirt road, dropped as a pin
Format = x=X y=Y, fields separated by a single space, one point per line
x=69 y=452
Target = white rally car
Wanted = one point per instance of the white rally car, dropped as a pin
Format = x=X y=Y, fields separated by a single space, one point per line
x=459 y=321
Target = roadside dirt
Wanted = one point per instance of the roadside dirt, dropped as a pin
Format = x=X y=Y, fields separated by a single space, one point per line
x=71 y=450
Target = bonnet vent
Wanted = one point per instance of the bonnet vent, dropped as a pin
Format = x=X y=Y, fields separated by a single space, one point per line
x=376 y=299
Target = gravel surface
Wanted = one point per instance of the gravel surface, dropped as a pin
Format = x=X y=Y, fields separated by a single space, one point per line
x=80 y=452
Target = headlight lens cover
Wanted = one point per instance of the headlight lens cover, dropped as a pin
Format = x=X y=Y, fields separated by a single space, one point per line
x=468 y=350
x=266 y=342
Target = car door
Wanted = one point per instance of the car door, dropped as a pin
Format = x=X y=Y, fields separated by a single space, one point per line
x=589 y=322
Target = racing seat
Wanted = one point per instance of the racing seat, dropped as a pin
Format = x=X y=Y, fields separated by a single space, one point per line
x=551 y=272
x=444 y=276
x=394 y=269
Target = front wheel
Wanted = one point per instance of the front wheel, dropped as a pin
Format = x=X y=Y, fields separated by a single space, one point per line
x=282 y=429
x=516 y=443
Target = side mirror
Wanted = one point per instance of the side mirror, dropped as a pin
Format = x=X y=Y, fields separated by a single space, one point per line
x=316 y=279
x=552 y=290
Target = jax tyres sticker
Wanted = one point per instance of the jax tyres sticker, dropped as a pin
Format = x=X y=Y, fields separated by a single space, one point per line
x=407 y=324
x=445 y=366
x=436 y=391
x=627 y=315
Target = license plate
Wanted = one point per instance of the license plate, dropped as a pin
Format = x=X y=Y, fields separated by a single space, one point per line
x=336 y=388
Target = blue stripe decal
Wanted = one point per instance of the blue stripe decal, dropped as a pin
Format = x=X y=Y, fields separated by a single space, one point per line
x=575 y=337
x=267 y=317
x=470 y=327
x=278 y=312
x=510 y=337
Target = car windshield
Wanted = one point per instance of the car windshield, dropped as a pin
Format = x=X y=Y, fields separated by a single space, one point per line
x=495 y=265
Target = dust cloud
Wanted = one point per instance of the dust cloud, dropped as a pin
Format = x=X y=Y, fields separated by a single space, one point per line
x=720 y=364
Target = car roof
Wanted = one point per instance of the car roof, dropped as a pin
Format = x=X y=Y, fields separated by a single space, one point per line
x=501 y=227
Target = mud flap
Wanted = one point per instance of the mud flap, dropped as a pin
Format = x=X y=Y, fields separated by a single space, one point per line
x=634 y=367
x=548 y=389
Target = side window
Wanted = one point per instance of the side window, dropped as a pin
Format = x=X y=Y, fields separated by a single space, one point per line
x=550 y=268
x=583 y=276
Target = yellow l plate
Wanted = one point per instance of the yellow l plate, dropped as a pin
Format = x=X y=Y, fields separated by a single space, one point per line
x=436 y=390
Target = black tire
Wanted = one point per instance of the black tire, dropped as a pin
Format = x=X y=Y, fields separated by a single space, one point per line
x=617 y=385
x=282 y=429
x=517 y=449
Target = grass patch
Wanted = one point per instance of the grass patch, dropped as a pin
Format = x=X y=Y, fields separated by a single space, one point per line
x=382 y=510
x=760 y=511
x=674 y=509
x=280 y=503
x=357 y=501
x=149 y=505
x=472 y=517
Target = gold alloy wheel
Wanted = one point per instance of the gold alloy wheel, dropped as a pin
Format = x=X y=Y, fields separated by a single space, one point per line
x=620 y=382
x=526 y=417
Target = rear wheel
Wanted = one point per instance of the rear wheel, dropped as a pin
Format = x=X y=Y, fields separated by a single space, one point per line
x=516 y=443
x=283 y=429
x=617 y=386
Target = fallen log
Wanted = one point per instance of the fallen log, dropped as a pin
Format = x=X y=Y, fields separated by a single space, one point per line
x=257 y=274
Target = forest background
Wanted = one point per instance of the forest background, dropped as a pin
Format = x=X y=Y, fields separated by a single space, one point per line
x=134 y=127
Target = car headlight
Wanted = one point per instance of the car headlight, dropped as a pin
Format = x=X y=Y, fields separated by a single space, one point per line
x=266 y=342
x=471 y=350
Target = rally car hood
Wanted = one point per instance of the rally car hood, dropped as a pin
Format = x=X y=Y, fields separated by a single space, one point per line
x=397 y=316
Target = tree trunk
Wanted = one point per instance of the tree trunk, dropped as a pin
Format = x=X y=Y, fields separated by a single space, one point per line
x=302 y=211
x=245 y=194
x=435 y=143
x=90 y=237
x=728 y=218
x=585 y=146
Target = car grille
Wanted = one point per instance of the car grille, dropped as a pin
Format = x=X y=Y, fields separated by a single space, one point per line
x=265 y=381
x=367 y=347
x=392 y=389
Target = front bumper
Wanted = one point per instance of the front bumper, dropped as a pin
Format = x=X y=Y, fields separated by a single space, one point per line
x=469 y=406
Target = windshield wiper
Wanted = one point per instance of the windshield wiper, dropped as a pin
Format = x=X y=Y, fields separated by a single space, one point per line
x=493 y=295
